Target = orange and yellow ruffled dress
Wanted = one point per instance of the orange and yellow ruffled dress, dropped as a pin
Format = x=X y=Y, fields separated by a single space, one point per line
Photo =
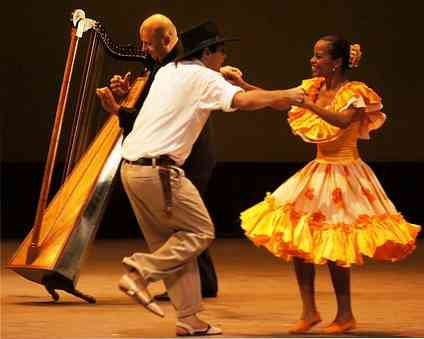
x=334 y=208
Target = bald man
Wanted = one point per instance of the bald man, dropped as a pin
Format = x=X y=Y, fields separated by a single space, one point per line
x=160 y=41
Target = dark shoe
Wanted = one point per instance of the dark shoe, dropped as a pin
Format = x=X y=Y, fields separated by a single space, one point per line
x=209 y=295
x=165 y=297
x=162 y=297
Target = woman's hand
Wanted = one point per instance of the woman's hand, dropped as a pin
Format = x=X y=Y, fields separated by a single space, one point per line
x=230 y=71
x=232 y=75
x=296 y=96
x=307 y=102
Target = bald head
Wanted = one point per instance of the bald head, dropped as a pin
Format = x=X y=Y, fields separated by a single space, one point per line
x=160 y=23
x=158 y=35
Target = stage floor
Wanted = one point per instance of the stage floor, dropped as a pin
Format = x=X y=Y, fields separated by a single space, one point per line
x=258 y=297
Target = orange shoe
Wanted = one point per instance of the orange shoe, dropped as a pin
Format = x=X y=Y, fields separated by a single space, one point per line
x=335 y=328
x=303 y=326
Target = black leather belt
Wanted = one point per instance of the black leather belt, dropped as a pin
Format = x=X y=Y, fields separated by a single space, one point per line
x=162 y=160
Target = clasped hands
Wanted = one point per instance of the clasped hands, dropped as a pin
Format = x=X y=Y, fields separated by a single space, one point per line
x=298 y=96
x=120 y=86
x=295 y=96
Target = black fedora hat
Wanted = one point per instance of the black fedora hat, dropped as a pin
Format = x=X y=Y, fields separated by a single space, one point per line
x=199 y=37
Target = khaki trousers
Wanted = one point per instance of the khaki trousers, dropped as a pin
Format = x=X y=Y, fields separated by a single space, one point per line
x=174 y=240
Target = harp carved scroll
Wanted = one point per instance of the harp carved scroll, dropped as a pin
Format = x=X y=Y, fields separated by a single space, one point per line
x=64 y=228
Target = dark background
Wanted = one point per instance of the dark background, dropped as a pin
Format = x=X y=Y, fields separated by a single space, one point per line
x=256 y=151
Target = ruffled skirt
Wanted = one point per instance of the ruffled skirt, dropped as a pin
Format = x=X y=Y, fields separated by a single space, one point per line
x=331 y=212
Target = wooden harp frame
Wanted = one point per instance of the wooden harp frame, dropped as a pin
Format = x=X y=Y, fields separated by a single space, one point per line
x=54 y=250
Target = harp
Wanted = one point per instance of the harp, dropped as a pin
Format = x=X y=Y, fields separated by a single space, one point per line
x=55 y=248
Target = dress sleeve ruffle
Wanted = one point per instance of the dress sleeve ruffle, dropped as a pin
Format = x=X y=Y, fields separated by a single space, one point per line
x=359 y=95
x=313 y=129
x=310 y=127
x=306 y=124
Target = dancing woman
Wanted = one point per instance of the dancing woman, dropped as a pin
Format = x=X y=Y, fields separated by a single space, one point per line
x=334 y=210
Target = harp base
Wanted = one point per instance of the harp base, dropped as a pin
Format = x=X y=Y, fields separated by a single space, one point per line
x=53 y=281
x=56 y=281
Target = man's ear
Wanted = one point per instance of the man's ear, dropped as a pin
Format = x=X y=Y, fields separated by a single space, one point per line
x=205 y=55
x=206 y=52
x=166 y=40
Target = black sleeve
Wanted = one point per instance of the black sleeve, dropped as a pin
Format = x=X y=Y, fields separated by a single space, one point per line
x=126 y=119
x=127 y=116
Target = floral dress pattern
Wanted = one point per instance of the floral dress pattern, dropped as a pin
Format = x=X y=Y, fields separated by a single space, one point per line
x=334 y=208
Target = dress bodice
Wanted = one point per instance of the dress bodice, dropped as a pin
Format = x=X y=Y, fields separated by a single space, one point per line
x=334 y=144
x=343 y=149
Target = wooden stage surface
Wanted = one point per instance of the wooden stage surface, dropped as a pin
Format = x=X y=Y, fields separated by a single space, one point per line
x=258 y=297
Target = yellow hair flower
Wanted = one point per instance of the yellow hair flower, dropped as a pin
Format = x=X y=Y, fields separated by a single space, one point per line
x=354 y=55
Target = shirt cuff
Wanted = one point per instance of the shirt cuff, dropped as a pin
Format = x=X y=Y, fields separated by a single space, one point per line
x=228 y=98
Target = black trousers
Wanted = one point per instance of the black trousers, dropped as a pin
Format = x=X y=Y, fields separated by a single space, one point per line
x=208 y=277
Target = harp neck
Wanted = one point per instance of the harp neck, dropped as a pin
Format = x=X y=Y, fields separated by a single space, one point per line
x=125 y=52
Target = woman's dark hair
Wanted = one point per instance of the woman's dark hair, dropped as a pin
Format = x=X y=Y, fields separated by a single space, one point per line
x=339 y=48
